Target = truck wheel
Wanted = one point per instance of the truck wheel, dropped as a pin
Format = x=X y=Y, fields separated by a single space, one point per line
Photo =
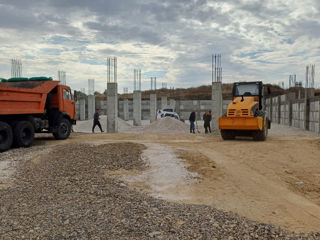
x=6 y=136
x=23 y=134
x=63 y=129
x=227 y=134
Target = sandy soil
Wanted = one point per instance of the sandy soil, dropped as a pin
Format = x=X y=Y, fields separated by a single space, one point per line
x=276 y=181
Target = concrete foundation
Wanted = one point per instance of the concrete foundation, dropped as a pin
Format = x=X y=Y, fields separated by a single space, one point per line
x=91 y=106
x=82 y=106
x=216 y=106
x=164 y=102
x=137 y=108
x=112 y=107
x=153 y=107
x=126 y=110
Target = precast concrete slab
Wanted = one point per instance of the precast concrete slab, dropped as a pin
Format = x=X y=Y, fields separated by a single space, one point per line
x=82 y=106
x=91 y=106
x=126 y=109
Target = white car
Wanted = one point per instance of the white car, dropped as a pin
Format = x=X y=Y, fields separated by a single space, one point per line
x=167 y=112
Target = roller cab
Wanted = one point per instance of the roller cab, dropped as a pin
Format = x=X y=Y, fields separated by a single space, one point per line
x=245 y=115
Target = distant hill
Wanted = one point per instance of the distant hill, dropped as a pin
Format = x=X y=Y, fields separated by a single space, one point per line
x=204 y=92
x=200 y=93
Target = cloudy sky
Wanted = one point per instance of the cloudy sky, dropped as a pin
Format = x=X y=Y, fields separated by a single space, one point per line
x=171 y=40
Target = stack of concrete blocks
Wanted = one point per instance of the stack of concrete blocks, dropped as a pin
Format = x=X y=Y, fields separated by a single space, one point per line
x=145 y=109
x=77 y=110
x=125 y=110
x=284 y=111
x=296 y=114
x=153 y=107
x=91 y=106
x=112 y=107
x=172 y=104
x=137 y=108
x=82 y=109
x=286 y=108
x=309 y=94
x=268 y=108
x=301 y=114
x=164 y=102
x=276 y=109
x=314 y=116
x=216 y=106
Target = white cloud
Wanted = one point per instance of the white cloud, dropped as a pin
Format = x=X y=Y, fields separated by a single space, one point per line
x=258 y=40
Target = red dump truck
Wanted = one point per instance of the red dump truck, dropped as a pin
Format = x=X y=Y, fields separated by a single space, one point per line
x=34 y=105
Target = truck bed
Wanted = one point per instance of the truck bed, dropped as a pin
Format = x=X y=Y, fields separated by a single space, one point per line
x=24 y=97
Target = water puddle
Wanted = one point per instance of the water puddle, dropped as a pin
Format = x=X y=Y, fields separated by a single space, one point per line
x=166 y=176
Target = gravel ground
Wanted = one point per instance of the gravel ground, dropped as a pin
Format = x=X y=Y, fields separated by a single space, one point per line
x=68 y=195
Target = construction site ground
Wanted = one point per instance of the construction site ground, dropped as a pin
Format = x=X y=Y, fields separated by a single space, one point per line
x=274 y=182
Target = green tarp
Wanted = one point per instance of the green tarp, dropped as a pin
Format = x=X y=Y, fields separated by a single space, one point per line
x=40 y=79
x=17 y=79
x=26 y=79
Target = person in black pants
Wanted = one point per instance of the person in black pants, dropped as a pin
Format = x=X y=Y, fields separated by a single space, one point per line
x=207 y=119
x=192 y=119
x=96 y=122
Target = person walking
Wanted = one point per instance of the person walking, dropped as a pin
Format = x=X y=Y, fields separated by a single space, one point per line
x=207 y=119
x=192 y=119
x=96 y=121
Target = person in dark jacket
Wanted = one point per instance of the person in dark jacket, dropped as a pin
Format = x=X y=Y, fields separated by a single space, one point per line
x=96 y=122
x=192 y=119
x=207 y=119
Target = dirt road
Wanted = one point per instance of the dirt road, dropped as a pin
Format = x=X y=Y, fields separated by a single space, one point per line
x=276 y=182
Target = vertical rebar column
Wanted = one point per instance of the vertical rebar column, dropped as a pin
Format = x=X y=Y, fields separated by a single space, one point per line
x=153 y=107
x=91 y=99
x=137 y=98
x=62 y=77
x=112 y=96
x=216 y=106
x=16 y=68
x=217 y=100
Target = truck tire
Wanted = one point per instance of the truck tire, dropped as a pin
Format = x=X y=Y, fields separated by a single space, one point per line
x=227 y=134
x=23 y=134
x=62 y=130
x=6 y=136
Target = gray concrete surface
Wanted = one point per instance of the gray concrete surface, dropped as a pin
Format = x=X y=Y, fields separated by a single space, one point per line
x=112 y=107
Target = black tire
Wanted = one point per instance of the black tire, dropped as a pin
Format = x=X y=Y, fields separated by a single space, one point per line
x=6 y=136
x=23 y=134
x=227 y=134
x=62 y=130
x=261 y=135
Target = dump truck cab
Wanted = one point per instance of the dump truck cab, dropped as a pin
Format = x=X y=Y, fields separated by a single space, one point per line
x=62 y=99
x=245 y=114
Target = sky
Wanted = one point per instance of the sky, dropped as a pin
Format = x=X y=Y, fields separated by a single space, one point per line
x=171 y=40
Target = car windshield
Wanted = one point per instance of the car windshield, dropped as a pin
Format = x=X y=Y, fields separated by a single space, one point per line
x=168 y=110
x=247 y=90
